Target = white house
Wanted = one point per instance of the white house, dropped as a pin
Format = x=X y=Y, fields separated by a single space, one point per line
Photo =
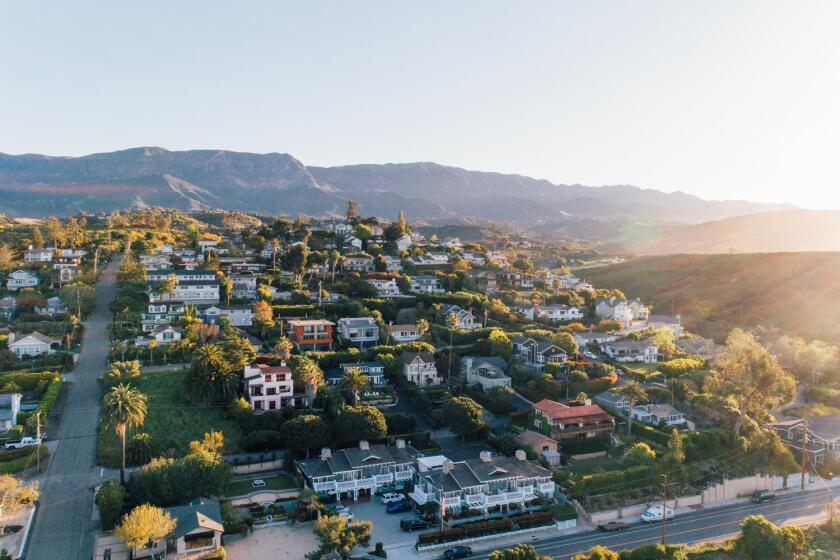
x=193 y=286
x=466 y=319
x=419 y=368
x=554 y=312
x=359 y=263
x=615 y=309
x=353 y=241
x=21 y=279
x=489 y=372
x=244 y=286
x=374 y=371
x=404 y=243
x=584 y=339
x=161 y=336
x=404 y=333
x=672 y=322
x=198 y=529
x=32 y=344
x=426 y=283
x=632 y=351
x=358 y=330
x=392 y=263
x=9 y=409
x=654 y=414
x=160 y=314
x=385 y=287
x=268 y=387
x=239 y=315
x=53 y=306
x=475 y=259
x=32 y=255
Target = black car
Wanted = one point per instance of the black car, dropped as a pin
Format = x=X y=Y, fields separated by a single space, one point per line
x=457 y=552
x=414 y=524
x=613 y=526
x=760 y=496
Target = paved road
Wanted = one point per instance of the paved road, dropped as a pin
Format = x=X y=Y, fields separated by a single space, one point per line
x=63 y=526
x=704 y=525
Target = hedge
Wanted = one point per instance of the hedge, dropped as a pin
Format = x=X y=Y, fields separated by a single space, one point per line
x=293 y=310
x=21 y=463
x=489 y=527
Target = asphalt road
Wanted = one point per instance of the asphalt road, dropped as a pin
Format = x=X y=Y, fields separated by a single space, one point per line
x=63 y=526
x=704 y=525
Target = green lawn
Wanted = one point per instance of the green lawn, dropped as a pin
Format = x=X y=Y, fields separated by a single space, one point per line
x=171 y=421
x=274 y=482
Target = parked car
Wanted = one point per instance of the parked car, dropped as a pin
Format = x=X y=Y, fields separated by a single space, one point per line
x=654 y=514
x=345 y=511
x=457 y=552
x=392 y=498
x=259 y=483
x=22 y=442
x=398 y=507
x=613 y=526
x=414 y=524
x=590 y=355
x=760 y=496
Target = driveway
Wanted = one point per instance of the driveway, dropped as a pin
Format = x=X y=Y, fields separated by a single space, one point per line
x=283 y=541
x=386 y=526
x=63 y=526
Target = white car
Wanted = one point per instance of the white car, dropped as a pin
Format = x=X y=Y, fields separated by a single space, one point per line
x=392 y=498
x=23 y=442
x=259 y=483
x=590 y=355
x=345 y=511
x=654 y=514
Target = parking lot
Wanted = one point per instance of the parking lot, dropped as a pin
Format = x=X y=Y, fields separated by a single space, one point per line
x=386 y=526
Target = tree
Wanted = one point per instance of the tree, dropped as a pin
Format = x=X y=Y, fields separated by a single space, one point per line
x=340 y=535
x=816 y=358
x=227 y=287
x=353 y=382
x=524 y=265
x=166 y=287
x=306 y=432
x=355 y=423
x=500 y=344
x=37 y=237
x=212 y=378
x=452 y=322
x=122 y=372
x=634 y=393
x=283 y=347
x=352 y=210
x=143 y=525
x=263 y=314
x=463 y=415
x=597 y=552
x=7 y=257
x=295 y=261
x=762 y=539
x=80 y=299
x=124 y=409
x=751 y=376
x=641 y=453
x=518 y=552
x=151 y=345
x=275 y=244
x=335 y=259
x=305 y=371
x=674 y=460
x=423 y=328
x=109 y=500
x=13 y=494
x=567 y=342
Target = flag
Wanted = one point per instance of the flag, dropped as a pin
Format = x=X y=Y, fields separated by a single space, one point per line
x=442 y=507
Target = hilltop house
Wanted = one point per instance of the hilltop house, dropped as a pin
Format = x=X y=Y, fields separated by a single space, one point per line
x=485 y=280
x=404 y=243
x=351 y=240
x=374 y=371
x=536 y=354
x=268 y=388
x=363 y=470
x=622 y=310
x=484 y=483
x=584 y=339
x=311 y=334
x=192 y=286
x=489 y=372
x=21 y=279
x=554 y=312
x=820 y=435
x=392 y=263
x=358 y=330
x=40 y=255
x=571 y=422
x=475 y=259
x=385 y=287
x=160 y=314
x=706 y=348
x=359 y=263
x=426 y=283
x=542 y=444
x=53 y=306
x=612 y=401
x=466 y=319
x=244 y=286
x=419 y=368
x=161 y=336
x=404 y=333
x=32 y=344
x=632 y=351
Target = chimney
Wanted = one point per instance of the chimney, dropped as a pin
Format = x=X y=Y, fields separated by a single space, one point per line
x=326 y=453
x=520 y=454
x=448 y=466
x=587 y=402
x=486 y=456
x=400 y=443
x=364 y=445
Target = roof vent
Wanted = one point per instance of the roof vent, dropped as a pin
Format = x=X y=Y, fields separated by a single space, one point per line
x=364 y=445
x=486 y=456
x=400 y=443
x=520 y=454
x=326 y=453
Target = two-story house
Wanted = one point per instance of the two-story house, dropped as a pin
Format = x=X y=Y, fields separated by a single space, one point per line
x=385 y=287
x=485 y=280
x=672 y=322
x=195 y=287
x=404 y=243
x=475 y=259
x=156 y=262
x=359 y=263
x=268 y=388
x=238 y=315
x=374 y=371
x=419 y=368
x=39 y=255
x=53 y=306
x=21 y=279
x=632 y=351
x=311 y=334
x=244 y=286
x=392 y=263
x=488 y=483
x=161 y=336
x=466 y=319
x=537 y=353
x=612 y=401
x=362 y=331
x=571 y=422
x=554 y=312
x=363 y=470
x=404 y=333
x=489 y=372
x=161 y=314
x=426 y=283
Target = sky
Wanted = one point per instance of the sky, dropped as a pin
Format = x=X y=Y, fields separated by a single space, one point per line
x=719 y=98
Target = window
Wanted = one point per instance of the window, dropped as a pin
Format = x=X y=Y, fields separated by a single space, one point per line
x=199 y=540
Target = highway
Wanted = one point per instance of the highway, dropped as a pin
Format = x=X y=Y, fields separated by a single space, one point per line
x=704 y=525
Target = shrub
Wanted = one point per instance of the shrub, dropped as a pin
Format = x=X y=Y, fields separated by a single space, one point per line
x=110 y=500
x=401 y=423
x=262 y=440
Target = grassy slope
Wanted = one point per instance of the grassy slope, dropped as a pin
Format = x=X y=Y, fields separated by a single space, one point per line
x=799 y=292
x=170 y=420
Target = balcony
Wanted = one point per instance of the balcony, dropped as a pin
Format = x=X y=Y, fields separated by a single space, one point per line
x=384 y=478
x=453 y=502
x=421 y=498
x=328 y=486
x=406 y=474
x=546 y=488
x=346 y=485
x=475 y=500
x=506 y=498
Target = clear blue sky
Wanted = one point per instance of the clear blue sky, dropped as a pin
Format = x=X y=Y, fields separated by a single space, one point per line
x=723 y=99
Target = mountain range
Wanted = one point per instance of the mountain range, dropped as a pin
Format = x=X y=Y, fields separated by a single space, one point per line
x=38 y=185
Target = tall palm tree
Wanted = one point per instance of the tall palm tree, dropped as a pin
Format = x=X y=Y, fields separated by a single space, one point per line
x=633 y=392
x=452 y=321
x=423 y=328
x=227 y=287
x=353 y=382
x=152 y=345
x=275 y=244
x=336 y=259
x=124 y=409
x=283 y=347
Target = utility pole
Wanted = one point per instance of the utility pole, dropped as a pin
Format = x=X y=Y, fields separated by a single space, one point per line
x=664 y=505
x=38 y=438
x=804 y=458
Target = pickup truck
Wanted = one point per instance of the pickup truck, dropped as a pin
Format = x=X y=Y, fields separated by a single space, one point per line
x=23 y=442
x=613 y=526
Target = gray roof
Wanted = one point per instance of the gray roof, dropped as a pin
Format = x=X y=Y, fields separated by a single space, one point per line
x=826 y=427
x=36 y=335
x=474 y=472
x=201 y=512
x=409 y=357
x=491 y=360
x=610 y=397
x=344 y=460
x=358 y=322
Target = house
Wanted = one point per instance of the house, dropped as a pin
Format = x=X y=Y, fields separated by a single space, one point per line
x=571 y=422
x=66 y=273
x=655 y=414
x=32 y=344
x=196 y=286
x=156 y=262
x=542 y=444
x=198 y=528
x=429 y=260
x=9 y=409
x=452 y=243
x=404 y=243
x=311 y=334
x=706 y=348
x=489 y=372
x=161 y=336
x=485 y=280
x=208 y=241
x=352 y=241
x=419 y=368
x=363 y=470
x=632 y=351
x=358 y=330
x=21 y=279
x=521 y=346
x=244 y=286
x=359 y=263
x=621 y=310
x=466 y=319
x=426 y=283
x=612 y=401
x=672 y=322
x=488 y=482
x=374 y=371
x=392 y=263
x=239 y=315
x=161 y=314
x=584 y=339
x=268 y=388
x=554 y=312
x=536 y=354
x=499 y=258
x=475 y=259
x=404 y=333
x=385 y=287
x=53 y=306
x=41 y=255
x=165 y=249
x=820 y=435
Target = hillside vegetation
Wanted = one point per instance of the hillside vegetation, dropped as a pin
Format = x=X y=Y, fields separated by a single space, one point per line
x=798 y=292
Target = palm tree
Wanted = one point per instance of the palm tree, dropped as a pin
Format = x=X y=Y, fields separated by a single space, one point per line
x=353 y=382
x=124 y=409
x=152 y=345
x=423 y=328
x=275 y=243
x=283 y=347
x=633 y=392
x=336 y=259
x=452 y=321
x=227 y=286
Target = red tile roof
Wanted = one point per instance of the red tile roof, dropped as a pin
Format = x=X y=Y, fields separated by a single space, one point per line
x=558 y=411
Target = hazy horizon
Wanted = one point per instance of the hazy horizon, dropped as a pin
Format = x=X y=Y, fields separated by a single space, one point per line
x=721 y=100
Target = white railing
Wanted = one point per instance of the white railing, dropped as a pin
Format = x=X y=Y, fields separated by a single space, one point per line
x=366 y=482
x=475 y=500
x=547 y=488
x=505 y=498
x=453 y=502
x=421 y=497
x=384 y=478
x=321 y=486
x=405 y=475
x=346 y=485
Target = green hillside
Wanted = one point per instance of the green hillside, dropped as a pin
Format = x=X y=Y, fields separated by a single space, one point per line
x=799 y=292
